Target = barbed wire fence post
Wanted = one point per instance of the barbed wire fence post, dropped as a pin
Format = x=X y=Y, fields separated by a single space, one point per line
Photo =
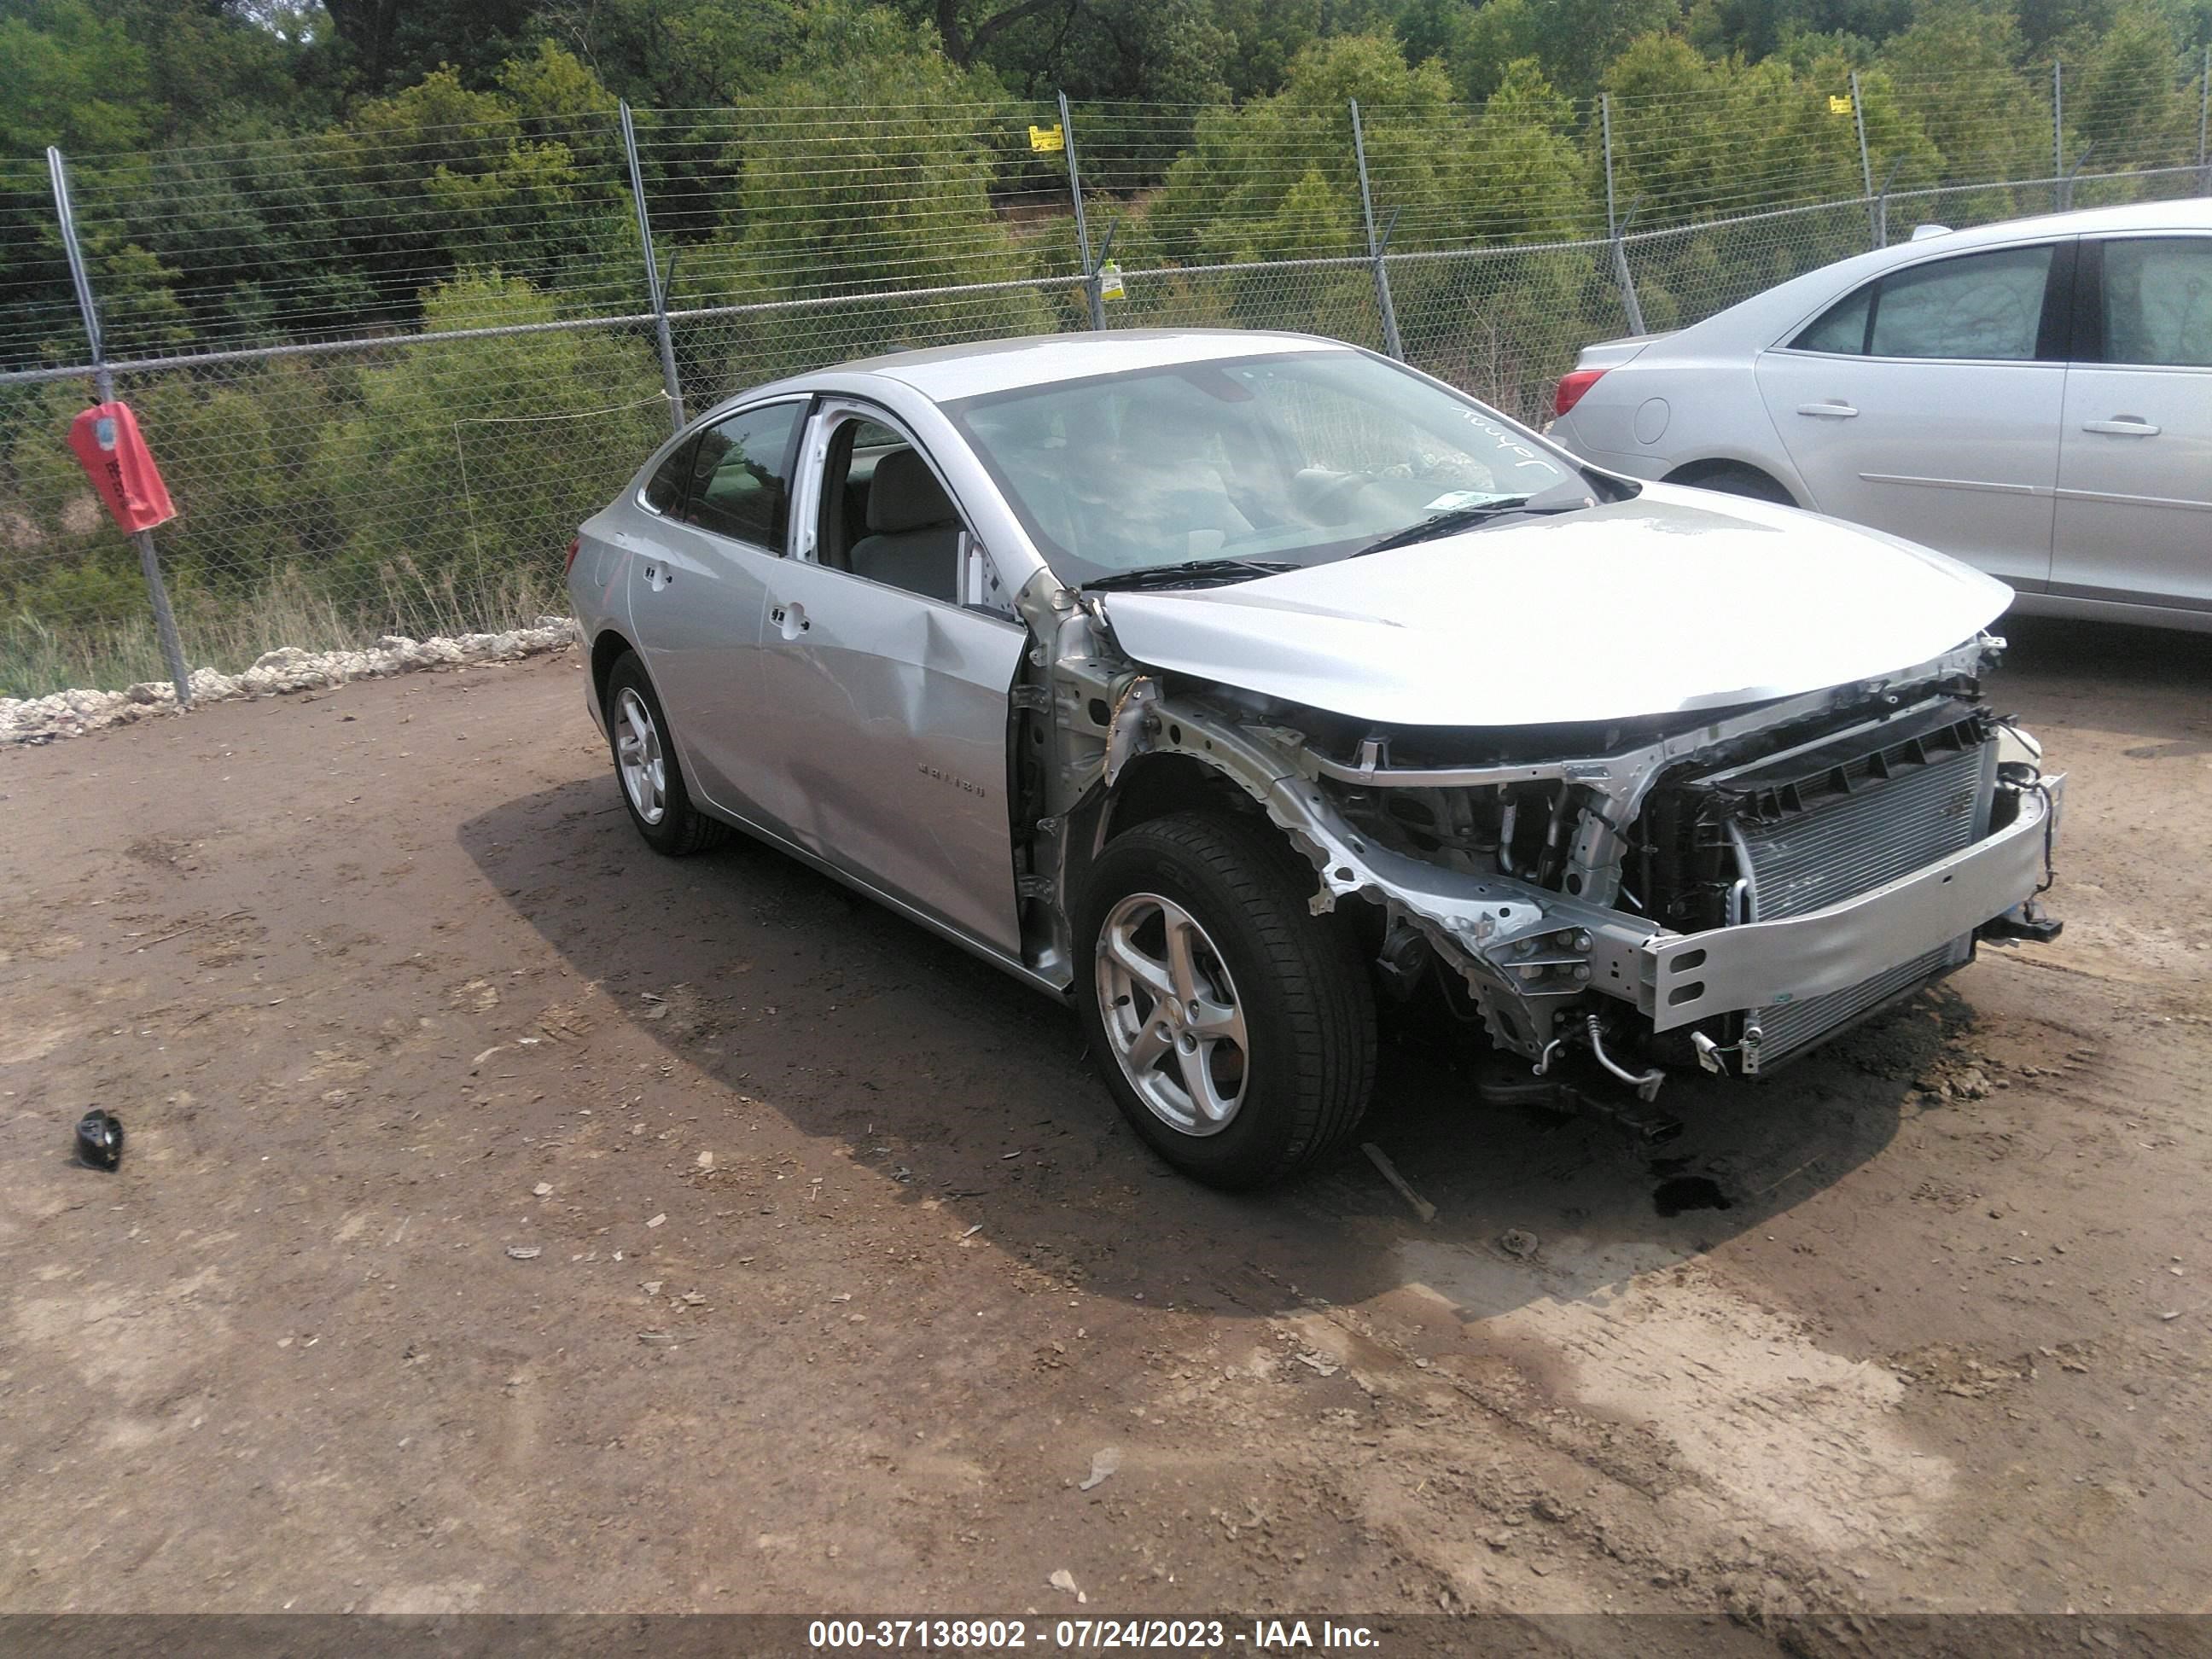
x=103 y=381
x=2204 y=123
x=654 y=290
x=1094 y=285
x=2058 y=135
x=1615 y=232
x=1376 y=247
x=1866 y=162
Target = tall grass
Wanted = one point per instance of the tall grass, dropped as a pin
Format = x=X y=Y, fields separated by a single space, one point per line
x=227 y=634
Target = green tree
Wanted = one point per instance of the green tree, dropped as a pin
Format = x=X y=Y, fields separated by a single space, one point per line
x=463 y=468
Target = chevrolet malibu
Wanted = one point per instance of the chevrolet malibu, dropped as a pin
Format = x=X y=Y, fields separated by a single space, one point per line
x=1228 y=684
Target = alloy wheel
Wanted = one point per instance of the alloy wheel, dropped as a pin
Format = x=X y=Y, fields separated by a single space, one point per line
x=1171 y=1014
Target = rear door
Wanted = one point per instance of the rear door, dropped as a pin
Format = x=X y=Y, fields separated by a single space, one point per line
x=698 y=591
x=2134 y=460
x=1927 y=403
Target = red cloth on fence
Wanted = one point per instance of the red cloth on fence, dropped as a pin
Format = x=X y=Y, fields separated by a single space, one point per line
x=115 y=458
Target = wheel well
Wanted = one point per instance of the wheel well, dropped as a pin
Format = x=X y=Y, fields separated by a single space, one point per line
x=1703 y=472
x=1153 y=786
x=605 y=650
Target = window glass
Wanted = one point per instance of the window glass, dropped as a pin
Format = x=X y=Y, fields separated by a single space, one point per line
x=1300 y=458
x=664 y=491
x=1987 y=306
x=740 y=479
x=2158 y=301
x=1844 y=328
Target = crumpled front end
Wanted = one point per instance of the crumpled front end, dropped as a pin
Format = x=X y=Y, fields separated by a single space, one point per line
x=1727 y=891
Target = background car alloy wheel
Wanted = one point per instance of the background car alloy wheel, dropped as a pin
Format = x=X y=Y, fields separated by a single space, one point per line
x=638 y=753
x=1171 y=1013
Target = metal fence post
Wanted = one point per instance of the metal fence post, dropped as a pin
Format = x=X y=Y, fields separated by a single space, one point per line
x=2204 y=124
x=1093 y=284
x=1391 y=342
x=2066 y=184
x=149 y=563
x=1866 y=162
x=1613 y=229
x=2057 y=132
x=1881 y=203
x=652 y=288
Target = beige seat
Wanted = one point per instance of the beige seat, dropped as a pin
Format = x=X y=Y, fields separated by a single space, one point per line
x=913 y=531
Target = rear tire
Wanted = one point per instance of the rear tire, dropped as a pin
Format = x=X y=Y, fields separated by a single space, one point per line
x=1264 y=1062
x=1746 y=481
x=646 y=768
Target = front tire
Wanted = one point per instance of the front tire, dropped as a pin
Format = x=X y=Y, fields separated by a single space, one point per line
x=1235 y=1027
x=646 y=768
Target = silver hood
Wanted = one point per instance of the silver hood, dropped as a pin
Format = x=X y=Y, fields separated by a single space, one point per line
x=1679 y=600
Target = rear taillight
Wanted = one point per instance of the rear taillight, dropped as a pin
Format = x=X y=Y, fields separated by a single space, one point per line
x=574 y=547
x=1571 y=388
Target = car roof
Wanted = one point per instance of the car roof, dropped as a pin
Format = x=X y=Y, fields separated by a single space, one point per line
x=947 y=374
x=2189 y=213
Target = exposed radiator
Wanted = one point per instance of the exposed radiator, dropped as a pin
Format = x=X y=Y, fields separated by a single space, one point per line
x=1844 y=844
x=1834 y=819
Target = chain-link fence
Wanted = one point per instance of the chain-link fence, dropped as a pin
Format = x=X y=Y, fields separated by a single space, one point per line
x=388 y=373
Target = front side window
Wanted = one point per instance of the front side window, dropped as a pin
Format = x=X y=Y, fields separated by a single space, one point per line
x=2156 y=294
x=1297 y=458
x=1987 y=306
x=740 y=476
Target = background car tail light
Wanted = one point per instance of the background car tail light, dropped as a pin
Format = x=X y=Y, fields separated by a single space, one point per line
x=574 y=544
x=1569 y=392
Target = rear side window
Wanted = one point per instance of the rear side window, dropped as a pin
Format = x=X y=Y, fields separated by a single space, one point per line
x=2156 y=297
x=664 y=491
x=740 y=477
x=1844 y=329
x=1983 y=307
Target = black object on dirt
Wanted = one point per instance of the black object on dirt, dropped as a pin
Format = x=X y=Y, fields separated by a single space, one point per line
x=1689 y=1192
x=100 y=1140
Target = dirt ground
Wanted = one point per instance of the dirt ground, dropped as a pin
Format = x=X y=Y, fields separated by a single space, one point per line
x=513 y=1220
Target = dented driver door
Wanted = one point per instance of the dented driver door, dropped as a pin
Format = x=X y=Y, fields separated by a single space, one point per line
x=883 y=720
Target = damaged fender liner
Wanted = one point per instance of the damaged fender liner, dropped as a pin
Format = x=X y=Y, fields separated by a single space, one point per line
x=1491 y=928
x=1685 y=977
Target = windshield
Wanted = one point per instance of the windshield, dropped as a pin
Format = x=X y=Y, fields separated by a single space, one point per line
x=1293 y=459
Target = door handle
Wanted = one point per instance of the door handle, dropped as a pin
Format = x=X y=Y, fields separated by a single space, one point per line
x=658 y=576
x=2124 y=426
x=790 y=619
x=1833 y=411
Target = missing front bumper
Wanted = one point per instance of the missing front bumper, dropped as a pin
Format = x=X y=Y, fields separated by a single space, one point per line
x=1912 y=926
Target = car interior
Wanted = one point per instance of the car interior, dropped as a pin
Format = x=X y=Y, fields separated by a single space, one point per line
x=885 y=517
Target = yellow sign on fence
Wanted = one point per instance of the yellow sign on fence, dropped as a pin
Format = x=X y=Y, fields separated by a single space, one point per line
x=1047 y=138
x=1836 y=106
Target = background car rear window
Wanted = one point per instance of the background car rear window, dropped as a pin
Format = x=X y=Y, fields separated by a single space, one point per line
x=2158 y=301
x=741 y=476
x=1987 y=306
x=1984 y=305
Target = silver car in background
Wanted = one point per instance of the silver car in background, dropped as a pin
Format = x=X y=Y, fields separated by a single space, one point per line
x=2034 y=397
x=1222 y=685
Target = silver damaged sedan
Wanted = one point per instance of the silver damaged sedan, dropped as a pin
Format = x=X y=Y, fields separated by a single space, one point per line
x=1228 y=684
